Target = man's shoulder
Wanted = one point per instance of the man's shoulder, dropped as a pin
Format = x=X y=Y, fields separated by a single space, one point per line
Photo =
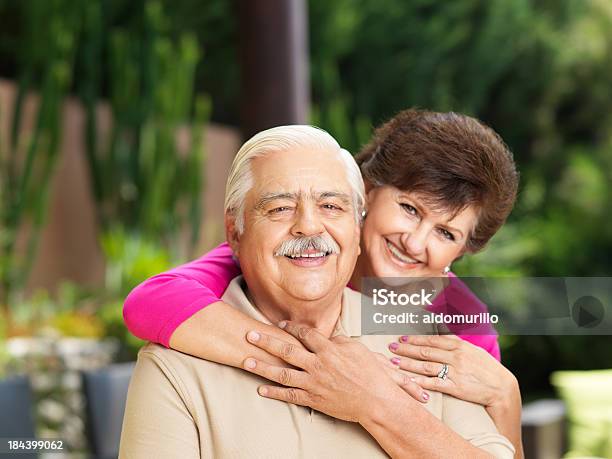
x=153 y=350
x=172 y=361
x=162 y=356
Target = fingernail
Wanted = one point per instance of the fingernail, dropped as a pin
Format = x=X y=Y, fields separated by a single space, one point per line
x=404 y=339
x=250 y=363
x=253 y=336
x=262 y=391
x=395 y=361
x=393 y=346
x=425 y=396
x=282 y=324
x=413 y=379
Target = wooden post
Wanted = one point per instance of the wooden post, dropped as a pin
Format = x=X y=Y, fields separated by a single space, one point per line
x=274 y=60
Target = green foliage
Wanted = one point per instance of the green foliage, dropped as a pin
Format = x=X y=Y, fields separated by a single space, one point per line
x=130 y=259
x=26 y=168
x=110 y=314
x=146 y=173
x=141 y=178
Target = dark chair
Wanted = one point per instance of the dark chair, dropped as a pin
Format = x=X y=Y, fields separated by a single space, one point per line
x=16 y=410
x=105 y=392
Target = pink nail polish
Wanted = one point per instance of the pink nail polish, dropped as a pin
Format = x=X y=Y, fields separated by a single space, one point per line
x=425 y=396
x=393 y=346
x=250 y=363
x=395 y=361
x=404 y=339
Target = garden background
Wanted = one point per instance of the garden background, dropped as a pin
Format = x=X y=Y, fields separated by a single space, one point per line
x=154 y=89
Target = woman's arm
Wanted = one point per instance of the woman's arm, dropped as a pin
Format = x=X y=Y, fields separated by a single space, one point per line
x=155 y=308
x=182 y=309
x=403 y=431
x=217 y=332
x=473 y=375
x=342 y=378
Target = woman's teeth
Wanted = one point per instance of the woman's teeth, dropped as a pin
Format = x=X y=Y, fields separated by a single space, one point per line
x=399 y=255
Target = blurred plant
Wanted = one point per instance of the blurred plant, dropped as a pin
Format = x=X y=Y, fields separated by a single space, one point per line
x=146 y=173
x=130 y=258
x=26 y=168
x=74 y=311
x=70 y=312
x=141 y=178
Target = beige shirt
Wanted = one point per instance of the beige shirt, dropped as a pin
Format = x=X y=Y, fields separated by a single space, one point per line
x=180 y=406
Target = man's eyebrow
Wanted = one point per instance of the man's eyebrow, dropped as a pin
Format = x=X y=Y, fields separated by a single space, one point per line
x=266 y=198
x=269 y=197
x=345 y=198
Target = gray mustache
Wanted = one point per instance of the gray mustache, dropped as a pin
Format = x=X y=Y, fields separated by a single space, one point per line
x=294 y=247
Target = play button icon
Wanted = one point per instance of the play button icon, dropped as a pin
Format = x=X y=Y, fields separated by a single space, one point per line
x=587 y=312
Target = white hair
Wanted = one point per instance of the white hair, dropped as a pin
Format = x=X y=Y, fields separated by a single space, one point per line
x=284 y=138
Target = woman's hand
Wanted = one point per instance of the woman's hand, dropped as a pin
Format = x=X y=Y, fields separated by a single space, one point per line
x=337 y=376
x=473 y=374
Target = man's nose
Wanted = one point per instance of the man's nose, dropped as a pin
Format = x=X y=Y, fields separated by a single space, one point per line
x=307 y=222
x=415 y=241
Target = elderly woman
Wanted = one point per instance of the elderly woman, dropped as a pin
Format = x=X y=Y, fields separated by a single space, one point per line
x=439 y=185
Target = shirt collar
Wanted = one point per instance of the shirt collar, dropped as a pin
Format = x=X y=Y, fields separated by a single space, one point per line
x=348 y=324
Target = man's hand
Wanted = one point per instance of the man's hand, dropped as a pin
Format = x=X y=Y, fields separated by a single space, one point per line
x=337 y=376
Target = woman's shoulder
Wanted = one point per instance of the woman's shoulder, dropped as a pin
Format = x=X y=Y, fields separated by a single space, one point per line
x=472 y=319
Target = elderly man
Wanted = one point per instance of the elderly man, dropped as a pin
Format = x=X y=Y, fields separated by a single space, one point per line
x=293 y=203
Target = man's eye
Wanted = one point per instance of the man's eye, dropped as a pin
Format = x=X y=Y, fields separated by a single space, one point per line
x=447 y=234
x=331 y=207
x=408 y=208
x=278 y=210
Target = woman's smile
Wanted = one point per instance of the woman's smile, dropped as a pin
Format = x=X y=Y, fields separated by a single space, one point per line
x=399 y=257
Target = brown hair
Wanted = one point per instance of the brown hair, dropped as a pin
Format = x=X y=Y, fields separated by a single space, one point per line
x=452 y=160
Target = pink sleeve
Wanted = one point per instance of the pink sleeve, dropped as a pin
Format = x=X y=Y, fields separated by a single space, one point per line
x=155 y=308
x=457 y=298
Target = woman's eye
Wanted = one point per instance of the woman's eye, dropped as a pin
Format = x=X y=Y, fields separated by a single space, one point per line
x=408 y=208
x=447 y=234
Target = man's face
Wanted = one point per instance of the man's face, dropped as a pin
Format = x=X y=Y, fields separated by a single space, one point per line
x=297 y=195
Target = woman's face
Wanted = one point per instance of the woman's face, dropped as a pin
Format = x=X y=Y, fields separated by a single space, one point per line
x=403 y=236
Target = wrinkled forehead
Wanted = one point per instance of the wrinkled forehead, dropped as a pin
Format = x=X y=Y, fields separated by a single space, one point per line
x=307 y=173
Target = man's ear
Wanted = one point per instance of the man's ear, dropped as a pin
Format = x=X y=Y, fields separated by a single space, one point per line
x=231 y=233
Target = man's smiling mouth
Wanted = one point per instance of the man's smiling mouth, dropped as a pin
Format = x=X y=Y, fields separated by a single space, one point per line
x=309 y=258
x=309 y=255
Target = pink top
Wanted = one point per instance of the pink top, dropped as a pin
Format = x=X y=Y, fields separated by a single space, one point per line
x=156 y=307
